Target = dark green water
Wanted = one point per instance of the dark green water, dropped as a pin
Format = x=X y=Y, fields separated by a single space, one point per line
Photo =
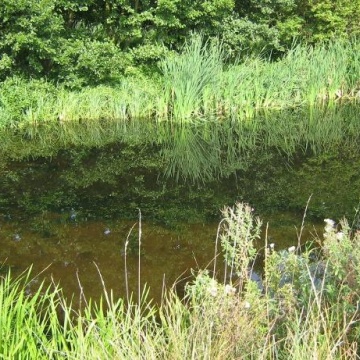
x=69 y=195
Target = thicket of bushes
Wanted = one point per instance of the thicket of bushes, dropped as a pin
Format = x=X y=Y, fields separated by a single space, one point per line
x=92 y=42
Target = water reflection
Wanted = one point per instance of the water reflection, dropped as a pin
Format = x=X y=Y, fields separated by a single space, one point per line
x=69 y=195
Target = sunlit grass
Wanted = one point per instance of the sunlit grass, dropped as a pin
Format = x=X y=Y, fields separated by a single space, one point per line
x=194 y=85
x=191 y=79
x=306 y=307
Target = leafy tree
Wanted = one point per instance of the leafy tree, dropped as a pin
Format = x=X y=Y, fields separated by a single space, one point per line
x=176 y=19
x=88 y=42
x=30 y=34
x=90 y=62
x=262 y=25
x=273 y=25
x=327 y=19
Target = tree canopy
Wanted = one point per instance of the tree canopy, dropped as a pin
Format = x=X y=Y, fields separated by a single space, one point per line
x=99 y=41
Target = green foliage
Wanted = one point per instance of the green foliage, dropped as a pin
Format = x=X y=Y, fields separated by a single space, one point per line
x=190 y=79
x=240 y=230
x=341 y=247
x=92 y=42
x=180 y=18
x=30 y=37
x=273 y=26
x=25 y=101
x=309 y=306
x=91 y=62
x=262 y=27
x=332 y=19
x=26 y=321
x=226 y=317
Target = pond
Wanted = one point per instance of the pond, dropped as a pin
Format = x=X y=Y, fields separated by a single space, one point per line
x=72 y=195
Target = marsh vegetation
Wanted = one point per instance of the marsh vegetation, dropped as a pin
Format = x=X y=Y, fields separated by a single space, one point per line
x=195 y=85
x=306 y=292
x=307 y=305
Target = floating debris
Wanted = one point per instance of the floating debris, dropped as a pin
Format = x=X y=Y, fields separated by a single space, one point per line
x=73 y=215
x=17 y=237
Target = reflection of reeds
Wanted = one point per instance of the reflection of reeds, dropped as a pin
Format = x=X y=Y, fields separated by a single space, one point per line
x=205 y=150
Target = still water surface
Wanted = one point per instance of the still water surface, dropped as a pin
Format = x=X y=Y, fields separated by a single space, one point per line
x=70 y=196
x=70 y=249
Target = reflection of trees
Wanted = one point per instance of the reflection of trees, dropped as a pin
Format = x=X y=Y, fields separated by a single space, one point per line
x=174 y=171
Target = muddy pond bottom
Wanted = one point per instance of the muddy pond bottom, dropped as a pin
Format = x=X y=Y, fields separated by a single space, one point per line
x=72 y=253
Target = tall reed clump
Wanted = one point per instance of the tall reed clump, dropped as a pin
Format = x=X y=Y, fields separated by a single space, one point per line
x=353 y=69
x=198 y=84
x=305 y=307
x=190 y=79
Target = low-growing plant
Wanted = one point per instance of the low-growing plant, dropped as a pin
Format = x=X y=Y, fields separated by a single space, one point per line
x=307 y=305
x=240 y=230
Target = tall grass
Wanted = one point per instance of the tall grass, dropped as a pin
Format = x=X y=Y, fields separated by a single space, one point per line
x=306 y=307
x=190 y=79
x=27 y=322
x=196 y=84
x=305 y=76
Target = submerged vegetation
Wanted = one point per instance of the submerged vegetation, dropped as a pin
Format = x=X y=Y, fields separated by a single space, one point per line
x=306 y=305
x=195 y=85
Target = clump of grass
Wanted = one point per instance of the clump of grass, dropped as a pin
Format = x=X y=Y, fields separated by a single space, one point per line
x=28 y=323
x=190 y=78
x=33 y=102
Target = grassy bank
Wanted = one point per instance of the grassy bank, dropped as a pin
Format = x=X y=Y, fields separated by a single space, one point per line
x=306 y=306
x=195 y=85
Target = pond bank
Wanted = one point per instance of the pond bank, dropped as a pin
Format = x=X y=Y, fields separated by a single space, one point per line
x=221 y=319
x=194 y=86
